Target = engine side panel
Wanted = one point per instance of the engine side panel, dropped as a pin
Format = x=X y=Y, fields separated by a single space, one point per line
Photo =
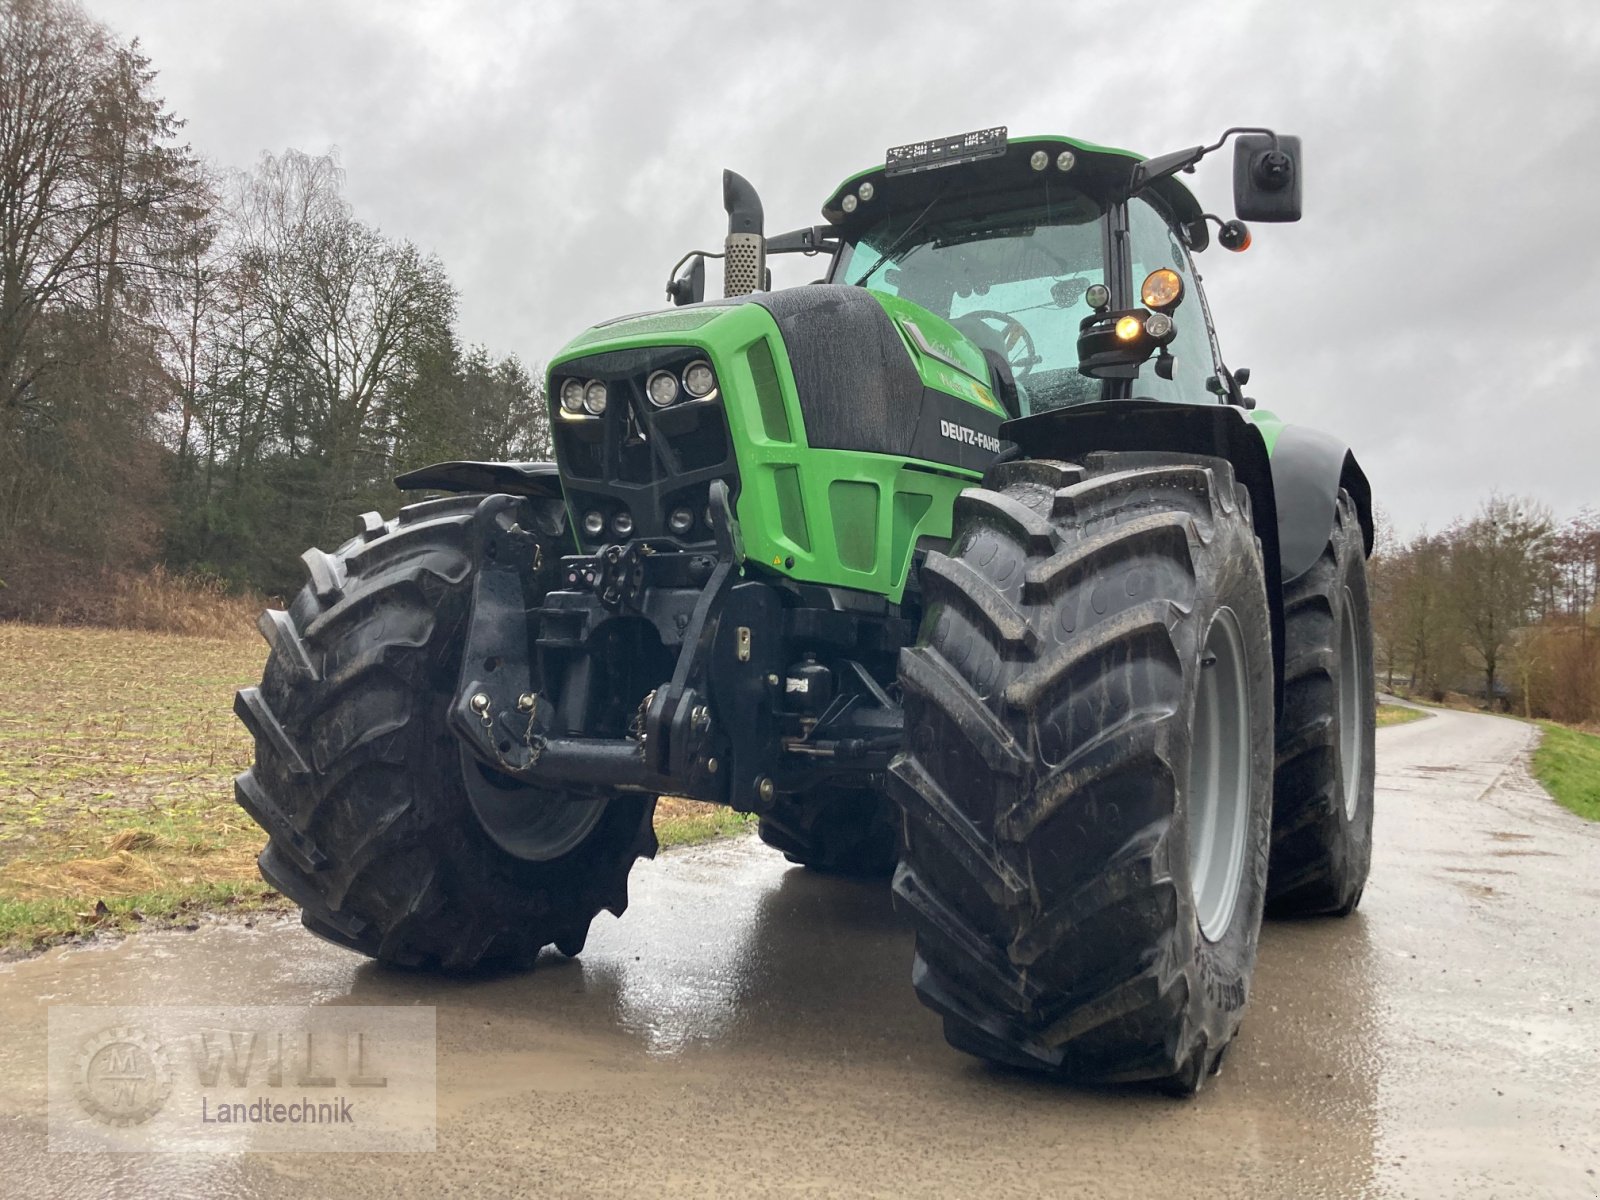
x=877 y=374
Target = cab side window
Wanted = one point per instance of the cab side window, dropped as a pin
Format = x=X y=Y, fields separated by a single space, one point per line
x=1154 y=244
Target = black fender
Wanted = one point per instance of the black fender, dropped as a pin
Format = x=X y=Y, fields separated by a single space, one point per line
x=1308 y=469
x=540 y=480
x=1313 y=468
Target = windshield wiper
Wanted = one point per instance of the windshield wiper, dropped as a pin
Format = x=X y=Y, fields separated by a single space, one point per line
x=899 y=241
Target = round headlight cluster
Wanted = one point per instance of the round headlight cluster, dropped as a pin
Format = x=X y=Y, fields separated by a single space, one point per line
x=572 y=396
x=578 y=397
x=662 y=388
x=699 y=380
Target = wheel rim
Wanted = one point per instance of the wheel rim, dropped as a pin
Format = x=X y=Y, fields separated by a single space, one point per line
x=1219 y=777
x=1350 y=691
x=531 y=824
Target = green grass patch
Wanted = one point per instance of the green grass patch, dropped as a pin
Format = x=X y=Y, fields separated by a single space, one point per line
x=27 y=926
x=1398 y=714
x=690 y=829
x=1567 y=763
x=118 y=750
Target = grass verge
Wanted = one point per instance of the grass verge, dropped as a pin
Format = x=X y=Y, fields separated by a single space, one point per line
x=1567 y=763
x=117 y=755
x=1398 y=714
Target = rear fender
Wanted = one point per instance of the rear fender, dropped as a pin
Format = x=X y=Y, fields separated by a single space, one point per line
x=1308 y=469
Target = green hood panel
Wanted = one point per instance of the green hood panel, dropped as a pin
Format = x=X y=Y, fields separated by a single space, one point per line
x=833 y=516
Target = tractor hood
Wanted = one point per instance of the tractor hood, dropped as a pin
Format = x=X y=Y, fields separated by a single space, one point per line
x=841 y=338
x=837 y=415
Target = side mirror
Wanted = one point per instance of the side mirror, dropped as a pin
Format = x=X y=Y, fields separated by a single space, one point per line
x=690 y=287
x=1266 y=177
x=745 y=267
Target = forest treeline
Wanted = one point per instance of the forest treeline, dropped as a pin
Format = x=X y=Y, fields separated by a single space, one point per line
x=201 y=369
x=1501 y=606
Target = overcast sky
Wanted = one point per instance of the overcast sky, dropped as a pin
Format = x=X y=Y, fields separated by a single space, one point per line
x=1436 y=307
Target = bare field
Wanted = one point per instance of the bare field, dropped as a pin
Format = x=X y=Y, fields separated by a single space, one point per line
x=117 y=756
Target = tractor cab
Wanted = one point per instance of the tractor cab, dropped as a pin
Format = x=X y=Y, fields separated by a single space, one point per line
x=1063 y=263
x=1032 y=249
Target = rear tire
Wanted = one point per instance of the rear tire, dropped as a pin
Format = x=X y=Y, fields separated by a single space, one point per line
x=1087 y=806
x=363 y=789
x=838 y=832
x=1322 y=808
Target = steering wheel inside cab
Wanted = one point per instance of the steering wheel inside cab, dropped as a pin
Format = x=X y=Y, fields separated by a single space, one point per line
x=1011 y=340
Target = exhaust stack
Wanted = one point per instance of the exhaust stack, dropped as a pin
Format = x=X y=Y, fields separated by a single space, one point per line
x=745 y=267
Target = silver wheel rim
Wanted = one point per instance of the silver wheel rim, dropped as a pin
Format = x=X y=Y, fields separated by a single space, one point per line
x=1350 y=691
x=534 y=826
x=1219 y=777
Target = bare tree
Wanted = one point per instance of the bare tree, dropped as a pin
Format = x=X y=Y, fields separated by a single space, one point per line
x=91 y=187
x=1498 y=561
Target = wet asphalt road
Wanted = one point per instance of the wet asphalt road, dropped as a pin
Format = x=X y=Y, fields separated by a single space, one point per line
x=748 y=1028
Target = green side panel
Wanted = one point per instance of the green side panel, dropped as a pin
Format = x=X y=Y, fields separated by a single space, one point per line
x=947 y=359
x=787 y=490
x=853 y=504
x=909 y=509
x=791 y=508
x=769 y=395
x=1270 y=425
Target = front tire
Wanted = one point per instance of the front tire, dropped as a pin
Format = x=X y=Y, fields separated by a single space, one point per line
x=1326 y=765
x=367 y=795
x=1086 y=783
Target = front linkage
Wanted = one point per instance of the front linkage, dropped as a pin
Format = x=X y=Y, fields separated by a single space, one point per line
x=765 y=696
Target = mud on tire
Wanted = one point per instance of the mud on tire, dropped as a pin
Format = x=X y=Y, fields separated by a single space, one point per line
x=1322 y=807
x=1051 y=707
x=361 y=787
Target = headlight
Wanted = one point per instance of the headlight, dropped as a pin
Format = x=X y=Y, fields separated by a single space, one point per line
x=1162 y=289
x=681 y=521
x=594 y=398
x=594 y=523
x=662 y=388
x=1158 y=325
x=572 y=396
x=622 y=523
x=1128 y=328
x=699 y=380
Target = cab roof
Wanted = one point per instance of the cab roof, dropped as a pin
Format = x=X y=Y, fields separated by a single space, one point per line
x=1100 y=171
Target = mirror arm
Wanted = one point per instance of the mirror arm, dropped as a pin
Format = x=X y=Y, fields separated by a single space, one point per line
x=1152 y=169
x=816 y=239
x=678 y=266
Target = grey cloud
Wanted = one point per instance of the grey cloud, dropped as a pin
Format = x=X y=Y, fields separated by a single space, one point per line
x=1434 y=307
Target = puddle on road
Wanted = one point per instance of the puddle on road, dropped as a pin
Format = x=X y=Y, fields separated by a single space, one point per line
x=749 y=1020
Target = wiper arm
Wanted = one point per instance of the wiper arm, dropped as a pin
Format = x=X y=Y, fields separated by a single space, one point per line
x=916 y=223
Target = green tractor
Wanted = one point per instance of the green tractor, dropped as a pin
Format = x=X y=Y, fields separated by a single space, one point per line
x=970 y=563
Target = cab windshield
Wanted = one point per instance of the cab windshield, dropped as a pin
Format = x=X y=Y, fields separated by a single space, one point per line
x=1013 y=281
